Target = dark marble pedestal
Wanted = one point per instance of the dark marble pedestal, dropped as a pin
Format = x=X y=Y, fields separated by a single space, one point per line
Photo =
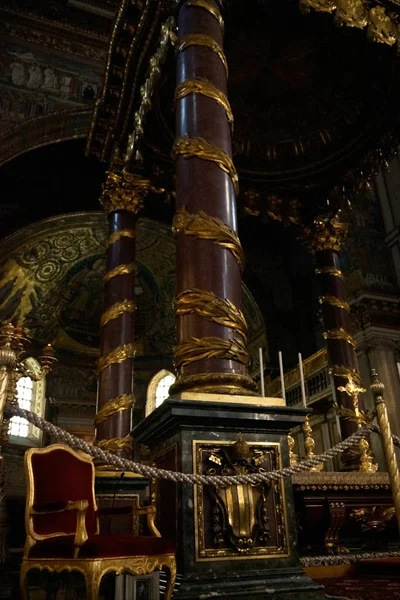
x=198 y=435
x=121 y=489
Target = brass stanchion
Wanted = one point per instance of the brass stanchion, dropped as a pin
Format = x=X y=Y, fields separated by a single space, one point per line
x=309 y=444
x=377 y=389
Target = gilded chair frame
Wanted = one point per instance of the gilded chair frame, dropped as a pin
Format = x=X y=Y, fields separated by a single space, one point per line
x=93 y=569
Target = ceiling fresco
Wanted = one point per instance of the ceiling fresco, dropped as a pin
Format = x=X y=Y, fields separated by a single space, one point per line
x=51 y=283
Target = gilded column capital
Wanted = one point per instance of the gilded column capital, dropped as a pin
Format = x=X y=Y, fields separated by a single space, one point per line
x=324 y=234
x=124 y=192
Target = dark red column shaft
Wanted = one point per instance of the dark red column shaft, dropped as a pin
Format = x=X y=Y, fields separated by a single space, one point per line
x=203 y=187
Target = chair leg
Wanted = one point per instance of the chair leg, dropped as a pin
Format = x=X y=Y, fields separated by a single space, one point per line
x=171 y=564
x=22 y=582
x=92 y=584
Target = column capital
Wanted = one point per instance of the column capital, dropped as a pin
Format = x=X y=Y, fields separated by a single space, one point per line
x=125 y=191
x=324 y=234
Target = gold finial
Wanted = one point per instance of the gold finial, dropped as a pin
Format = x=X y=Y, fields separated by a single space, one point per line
x=309 y=444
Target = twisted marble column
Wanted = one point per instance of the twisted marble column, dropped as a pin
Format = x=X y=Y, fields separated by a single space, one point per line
x=211 y=354
x=122 y=199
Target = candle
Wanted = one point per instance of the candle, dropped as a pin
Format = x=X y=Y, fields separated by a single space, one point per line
x=282 y=375
x=260 y=352
x=302 y=383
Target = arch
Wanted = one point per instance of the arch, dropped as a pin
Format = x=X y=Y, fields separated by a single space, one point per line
x=57 y=126
x=154 y=385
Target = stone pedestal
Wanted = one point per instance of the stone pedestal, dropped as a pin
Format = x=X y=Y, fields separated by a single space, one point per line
x=121 y=489
x=239 y=540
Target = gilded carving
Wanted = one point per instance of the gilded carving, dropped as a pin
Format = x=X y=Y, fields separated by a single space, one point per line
x=352 y=13
x=324 y=234
x=120 y=270
x=199 y=39
x=198 y=147
x=118 y=235
x=329 y=271
x=124 y=192
x=205 y=88
x=116 y=356
x=210 y=347
x=206 y=304
x=205 y=227
x=238 y=521
x=340 y=334
x=116 y=444
x=380 y=27
x=334 y=301
x=117 y=309
x=114 y=406
x=216 y=383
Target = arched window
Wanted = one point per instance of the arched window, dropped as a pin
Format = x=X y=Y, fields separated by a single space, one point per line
x=158 y=389
x=31 y=396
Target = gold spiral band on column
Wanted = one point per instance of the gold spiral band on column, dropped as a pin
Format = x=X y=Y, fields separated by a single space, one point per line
x=204 y=227
x=206 y=304
x=210 y=347
x=117 y=235
x=120 y=270
x=334 y=301
x=116 y=310
x=329 y=271
x=198 y=147
x=340 y=334
x=116 y=444
x=204 y=88
x=116 y=356
x=199 y=39
x=209 y=8
x=114 y=406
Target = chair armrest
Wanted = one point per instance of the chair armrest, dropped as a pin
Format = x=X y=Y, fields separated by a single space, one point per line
x=80 y=506
x=150 y=511
x=115 y=511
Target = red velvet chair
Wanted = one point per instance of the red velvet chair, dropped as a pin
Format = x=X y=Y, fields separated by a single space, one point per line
x=61 y=519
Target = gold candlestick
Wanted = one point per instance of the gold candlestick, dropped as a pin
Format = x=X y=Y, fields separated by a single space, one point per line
x=293 y=457
x=309 y=444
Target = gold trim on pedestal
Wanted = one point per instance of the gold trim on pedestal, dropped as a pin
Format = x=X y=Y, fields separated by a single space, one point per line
x=200 y=39
x=205 y=227
x=205 y=88
x=199 y=147
x=223 y=398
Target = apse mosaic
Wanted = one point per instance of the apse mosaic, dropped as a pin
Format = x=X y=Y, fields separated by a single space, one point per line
x=51 y=282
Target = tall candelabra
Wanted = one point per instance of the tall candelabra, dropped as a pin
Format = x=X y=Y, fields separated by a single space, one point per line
x=14 y=364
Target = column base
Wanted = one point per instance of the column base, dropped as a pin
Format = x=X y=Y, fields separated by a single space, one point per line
x=236 y=541
x=215 y=383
